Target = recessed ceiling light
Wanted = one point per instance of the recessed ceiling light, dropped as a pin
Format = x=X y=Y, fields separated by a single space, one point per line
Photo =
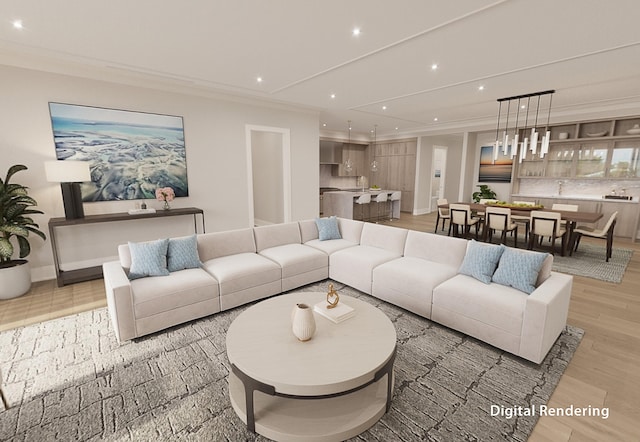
x=17 y=24
x=355 y=32
x=435 y=119
x=396 y=128
x=384 y=107
x=259 y=79
x=324 y=124
x=333 y=95
x=481 y=88
x=434 y=66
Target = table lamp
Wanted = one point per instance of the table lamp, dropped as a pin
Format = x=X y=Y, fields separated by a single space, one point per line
x=69 y=174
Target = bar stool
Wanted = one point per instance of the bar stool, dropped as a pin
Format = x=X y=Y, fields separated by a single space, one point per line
x=393 y=197
x=381 y=199
x=363 y=199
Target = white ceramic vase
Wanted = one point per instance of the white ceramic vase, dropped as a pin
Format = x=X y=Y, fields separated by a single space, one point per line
x=304 y=324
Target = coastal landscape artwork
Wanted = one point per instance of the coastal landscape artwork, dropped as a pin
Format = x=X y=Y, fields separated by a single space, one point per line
x=498 y=171
x=131 y=154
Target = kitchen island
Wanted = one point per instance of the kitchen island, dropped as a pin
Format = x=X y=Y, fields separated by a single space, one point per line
x=342 y=203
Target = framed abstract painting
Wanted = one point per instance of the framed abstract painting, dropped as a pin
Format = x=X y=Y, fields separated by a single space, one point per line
x=498 y=171
x=131 y=154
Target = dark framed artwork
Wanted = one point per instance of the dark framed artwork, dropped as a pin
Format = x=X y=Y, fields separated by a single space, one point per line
x=131 y=154
x=498 y=171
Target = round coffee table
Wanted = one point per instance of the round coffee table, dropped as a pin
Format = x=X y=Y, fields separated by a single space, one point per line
x=332 y=387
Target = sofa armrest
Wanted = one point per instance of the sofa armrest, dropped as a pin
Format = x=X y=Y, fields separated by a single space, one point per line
x=545 y=316
x=119 y=300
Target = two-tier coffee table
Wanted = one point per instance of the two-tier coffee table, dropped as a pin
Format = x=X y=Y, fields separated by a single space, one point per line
x=330 y=388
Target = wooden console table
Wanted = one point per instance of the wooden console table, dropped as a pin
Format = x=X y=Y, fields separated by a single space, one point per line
x=72 y=276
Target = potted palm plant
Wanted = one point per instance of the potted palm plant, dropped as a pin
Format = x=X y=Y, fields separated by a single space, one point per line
x=16 y=208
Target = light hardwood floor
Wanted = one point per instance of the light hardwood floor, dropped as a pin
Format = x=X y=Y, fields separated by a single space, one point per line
x=604 y=372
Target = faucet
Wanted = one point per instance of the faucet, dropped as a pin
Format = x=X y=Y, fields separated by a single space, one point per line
x=560 y=183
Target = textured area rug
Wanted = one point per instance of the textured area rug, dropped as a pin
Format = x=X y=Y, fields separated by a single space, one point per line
x=68 y=379
x=590 y=261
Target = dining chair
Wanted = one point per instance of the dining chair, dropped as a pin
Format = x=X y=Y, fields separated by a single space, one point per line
x=605 y=233
x=484 y=201
x=363 y=199
x=381 y=200
x=443 y=214
x=498 y=219
x=523 y=220
x=545 y=224
x=566 y=208
x=394 y=196
x=461 y=217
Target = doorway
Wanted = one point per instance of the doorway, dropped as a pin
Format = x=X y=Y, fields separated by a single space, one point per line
x=269 y=175
x=438 y=175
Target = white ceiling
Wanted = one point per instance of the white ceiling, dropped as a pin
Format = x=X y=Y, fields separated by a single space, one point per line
x=587 y=50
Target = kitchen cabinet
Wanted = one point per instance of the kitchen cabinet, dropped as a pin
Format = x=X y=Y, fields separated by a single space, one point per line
x=587 y=150
x=357 y=153
x=397 y=169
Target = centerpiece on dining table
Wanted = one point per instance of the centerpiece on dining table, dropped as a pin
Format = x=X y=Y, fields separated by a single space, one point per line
x=515 y=206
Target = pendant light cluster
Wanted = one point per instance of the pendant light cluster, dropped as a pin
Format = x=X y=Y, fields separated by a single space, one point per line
x=374 y=163
x=530 y=141
x=348 y=164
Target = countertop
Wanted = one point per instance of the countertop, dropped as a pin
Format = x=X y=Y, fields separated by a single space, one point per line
x=577 y=197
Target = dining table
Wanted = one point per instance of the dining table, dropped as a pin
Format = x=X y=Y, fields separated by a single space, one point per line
x=571 y=217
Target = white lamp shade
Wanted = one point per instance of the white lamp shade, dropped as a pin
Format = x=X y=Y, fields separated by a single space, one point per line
x=67 y=171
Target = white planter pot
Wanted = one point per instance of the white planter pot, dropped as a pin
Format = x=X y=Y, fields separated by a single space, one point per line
x=15 y=281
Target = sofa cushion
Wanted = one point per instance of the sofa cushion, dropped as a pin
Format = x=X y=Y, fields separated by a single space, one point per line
x=350 y=229
x=276 y=235
x=409 y=282
x=232 y=242
x=148 y=259
x=492 y=304
x=436 y=248
x=159 y=294
x=330 y=247
x=519 y=269
x=295 y=259
x=388 y=238
x=328 y=228
x=308 y=230
x=242 y=271
x=182 y=253
x=481 y=260
x=354 y=265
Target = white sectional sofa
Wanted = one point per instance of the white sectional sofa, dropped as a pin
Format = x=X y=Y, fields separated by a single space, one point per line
x=417 y=271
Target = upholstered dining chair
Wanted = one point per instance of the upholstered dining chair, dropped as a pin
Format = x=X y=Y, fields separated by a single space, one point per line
x=461 y=218
x=566 y=208
x=363 y=199
x=547 y=224
x=605 y=233
x=523 y=220
x=443 y=214
x=484 y=201
x=498 y=219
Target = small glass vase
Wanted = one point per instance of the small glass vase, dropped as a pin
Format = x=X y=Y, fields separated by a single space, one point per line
x=166 y=205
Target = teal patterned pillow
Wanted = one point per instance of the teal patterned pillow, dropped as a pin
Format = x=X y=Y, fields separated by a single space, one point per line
x=328 y=228
x=148 y=259
x=481 y=260
x=519 y=269
x=183 y=254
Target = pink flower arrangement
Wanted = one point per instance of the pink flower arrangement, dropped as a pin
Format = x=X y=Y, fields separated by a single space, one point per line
x=165 y=194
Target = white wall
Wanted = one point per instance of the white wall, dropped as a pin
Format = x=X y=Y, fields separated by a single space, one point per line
x=216 y=157
x=268 y=186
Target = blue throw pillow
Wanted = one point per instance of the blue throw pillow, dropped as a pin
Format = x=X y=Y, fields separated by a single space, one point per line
x=481 y=260
x=519 y=269
x=148 y=259
x=328 y=228
x=183 y=254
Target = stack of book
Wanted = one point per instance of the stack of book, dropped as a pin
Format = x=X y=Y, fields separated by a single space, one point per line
x=339 y=313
